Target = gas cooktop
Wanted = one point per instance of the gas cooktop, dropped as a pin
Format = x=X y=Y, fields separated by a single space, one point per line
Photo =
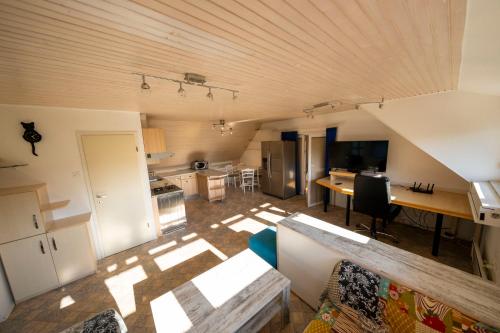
x=168 y=188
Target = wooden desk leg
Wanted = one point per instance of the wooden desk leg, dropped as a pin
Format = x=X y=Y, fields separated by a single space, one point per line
x=437 y=234
x=348 y=210
x=285 y=307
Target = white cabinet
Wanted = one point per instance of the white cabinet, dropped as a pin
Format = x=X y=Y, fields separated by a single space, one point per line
x=20 y=216
x=189 y=184
x=72 y=253
x=29 y=267
x=176 y=180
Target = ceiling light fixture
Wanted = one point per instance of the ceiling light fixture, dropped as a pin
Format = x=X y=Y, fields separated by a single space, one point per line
x=221 y=127
x=335 y=104
x=181 y=90
x=190 y=79
x=144 y=85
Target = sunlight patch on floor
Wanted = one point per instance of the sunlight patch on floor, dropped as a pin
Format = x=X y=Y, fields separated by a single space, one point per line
x=190 y=236
x=253 y=210
x=248 y=224
x=319 y=224
x=121 y=287
x=273 y=218
x=276 y=209
x=162 y=247
x=66 y=301
x=112 y=268
x=214 y=226
x=232 y=219
x=131 y=260
x=265 y=205
x=168 y=314
x=191 y=250
x=225 y=280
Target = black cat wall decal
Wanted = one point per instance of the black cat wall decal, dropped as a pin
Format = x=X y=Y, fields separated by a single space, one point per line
x=31 y=135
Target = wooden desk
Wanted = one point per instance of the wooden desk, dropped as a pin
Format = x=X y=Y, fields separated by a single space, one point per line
x=441 y=203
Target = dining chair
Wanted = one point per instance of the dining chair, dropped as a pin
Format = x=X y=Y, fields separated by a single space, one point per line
x=247 y=179
x=256 y=181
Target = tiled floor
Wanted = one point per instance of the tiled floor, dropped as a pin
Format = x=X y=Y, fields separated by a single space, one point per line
x=128 y=281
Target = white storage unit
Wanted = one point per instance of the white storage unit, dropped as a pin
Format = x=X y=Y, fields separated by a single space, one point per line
x=40 y=254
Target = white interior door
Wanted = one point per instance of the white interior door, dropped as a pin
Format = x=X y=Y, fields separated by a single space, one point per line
x=316 y=169
x=117 y=188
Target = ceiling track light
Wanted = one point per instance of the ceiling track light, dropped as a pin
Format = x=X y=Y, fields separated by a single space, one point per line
x=336 y=103
x=144 y=85
x=210 y=96
x=181 y=90
x=191 y=79
x=221 y=127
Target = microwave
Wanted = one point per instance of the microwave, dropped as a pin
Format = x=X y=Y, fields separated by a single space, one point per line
x=199 y=165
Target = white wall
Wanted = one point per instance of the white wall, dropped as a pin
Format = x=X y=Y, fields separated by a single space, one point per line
x=194 y=140
x=59 y=163
x=459 y=129
x=406 y=163
x=253 y=152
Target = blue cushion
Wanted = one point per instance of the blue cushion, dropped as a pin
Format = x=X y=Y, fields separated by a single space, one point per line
x=264 y=245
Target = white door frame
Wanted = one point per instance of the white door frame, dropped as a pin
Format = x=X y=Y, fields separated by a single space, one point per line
x=311 y=134
x=94 y=228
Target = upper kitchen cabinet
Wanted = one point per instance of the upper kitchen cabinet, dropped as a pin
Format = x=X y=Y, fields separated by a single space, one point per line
x=154 y=140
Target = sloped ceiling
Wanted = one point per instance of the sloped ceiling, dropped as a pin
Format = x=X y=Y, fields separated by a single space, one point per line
x=282 y=55
x=480 y=69
x=194 y=140
x=459 y=129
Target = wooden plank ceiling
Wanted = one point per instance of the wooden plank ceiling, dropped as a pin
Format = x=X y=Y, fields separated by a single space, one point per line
x=283 y=55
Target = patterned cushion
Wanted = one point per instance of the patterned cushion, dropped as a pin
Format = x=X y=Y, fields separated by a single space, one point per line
x=370 y=303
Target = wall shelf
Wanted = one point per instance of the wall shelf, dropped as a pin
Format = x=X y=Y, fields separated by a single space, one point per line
x=53 y=206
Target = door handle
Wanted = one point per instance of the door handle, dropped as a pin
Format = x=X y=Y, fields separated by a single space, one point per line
x=54 y=244
x=101 y=196
x=35 y=222
x=41 y=247
x=270 y=166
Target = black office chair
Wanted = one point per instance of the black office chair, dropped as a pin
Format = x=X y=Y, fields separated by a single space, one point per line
x=372 y=197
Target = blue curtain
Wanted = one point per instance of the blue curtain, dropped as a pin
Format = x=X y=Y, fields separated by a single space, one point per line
x=293 y=136
x=331 y=136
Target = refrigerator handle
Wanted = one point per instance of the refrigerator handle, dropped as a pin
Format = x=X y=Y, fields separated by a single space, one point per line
x=270 y=166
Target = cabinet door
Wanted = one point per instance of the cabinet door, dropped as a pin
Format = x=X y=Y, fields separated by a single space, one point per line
x=29 y=267
x=19 y=217
x=154 y=140
x=72 y=253
x=189 y=186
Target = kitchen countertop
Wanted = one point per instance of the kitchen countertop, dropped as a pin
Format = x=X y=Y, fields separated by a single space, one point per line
x=212 y=173
x=175 y=173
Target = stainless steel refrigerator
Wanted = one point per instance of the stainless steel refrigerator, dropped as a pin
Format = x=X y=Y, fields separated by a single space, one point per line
x=278 y=164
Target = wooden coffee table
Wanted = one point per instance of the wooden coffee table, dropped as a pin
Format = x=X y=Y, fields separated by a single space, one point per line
x=241 y=294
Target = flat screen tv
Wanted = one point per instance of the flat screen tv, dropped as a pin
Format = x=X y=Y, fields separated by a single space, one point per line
x=357 y=156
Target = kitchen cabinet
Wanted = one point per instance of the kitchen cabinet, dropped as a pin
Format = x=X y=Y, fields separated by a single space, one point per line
x=29 y=267
x=176 y=180
x=72 y=252
x=189 y=184
x=154 y=140
x=20 y=216
x=211 y=185
x=37 y=252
